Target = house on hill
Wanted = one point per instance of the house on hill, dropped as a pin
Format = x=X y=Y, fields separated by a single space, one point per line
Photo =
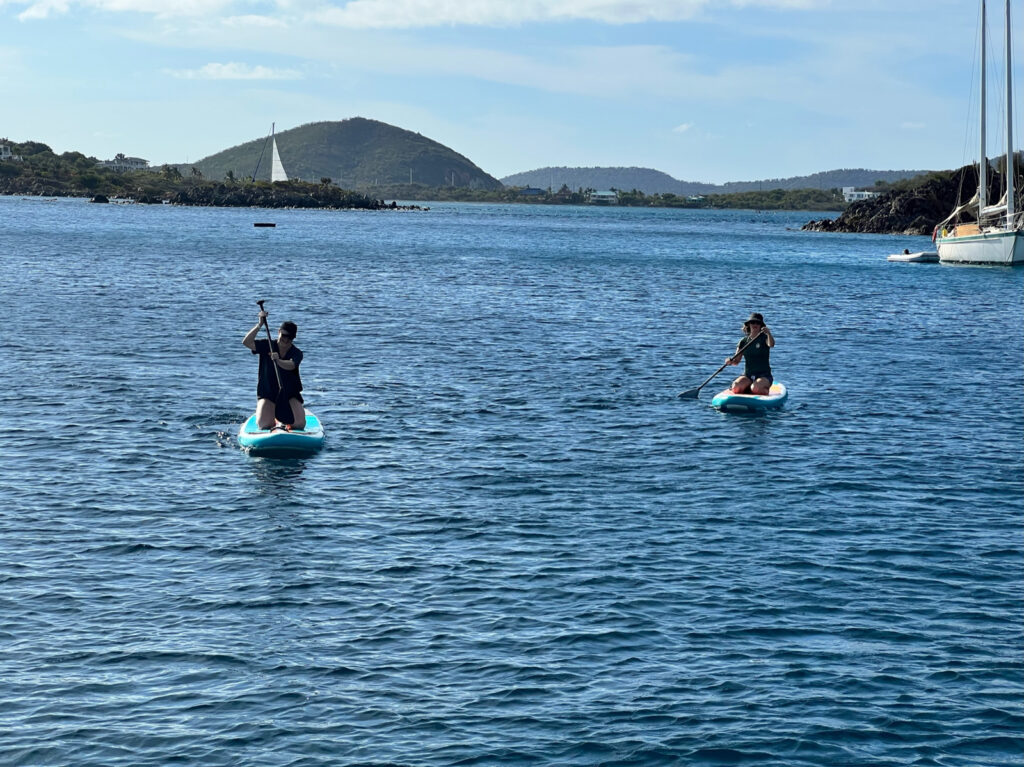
x=7 y=154
x=851 y=194
x=121 y=164
x=604 y=198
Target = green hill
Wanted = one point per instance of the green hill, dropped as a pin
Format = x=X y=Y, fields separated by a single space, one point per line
x=356 y=154
x=646 y=180
x=651 y=181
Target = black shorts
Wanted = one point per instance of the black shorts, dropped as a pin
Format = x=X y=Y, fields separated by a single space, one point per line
x=262 y=393
x=756 y=376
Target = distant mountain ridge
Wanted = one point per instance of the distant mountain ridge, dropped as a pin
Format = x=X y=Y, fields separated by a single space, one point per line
x=650 y=181
x=356 y=153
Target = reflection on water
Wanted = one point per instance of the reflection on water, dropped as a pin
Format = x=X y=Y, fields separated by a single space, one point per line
x=277 y=475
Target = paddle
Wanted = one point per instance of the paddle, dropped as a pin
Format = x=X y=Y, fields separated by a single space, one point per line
x=695 y=393
x=282 y=410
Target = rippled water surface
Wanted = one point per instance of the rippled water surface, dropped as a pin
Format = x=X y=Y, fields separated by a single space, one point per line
x=518 y=546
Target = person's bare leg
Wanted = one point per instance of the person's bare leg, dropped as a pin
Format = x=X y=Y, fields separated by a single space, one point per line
x=265 y=414
x=298 y=414
x=741 y=385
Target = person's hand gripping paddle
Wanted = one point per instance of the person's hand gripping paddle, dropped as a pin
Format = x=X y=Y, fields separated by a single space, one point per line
x=282 y=407
x=694 y=393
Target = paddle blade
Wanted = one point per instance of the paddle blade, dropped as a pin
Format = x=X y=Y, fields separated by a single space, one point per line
x=690 y=394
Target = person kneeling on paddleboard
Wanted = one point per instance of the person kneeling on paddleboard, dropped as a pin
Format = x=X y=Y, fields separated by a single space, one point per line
x=282 y=403
x=754 y=348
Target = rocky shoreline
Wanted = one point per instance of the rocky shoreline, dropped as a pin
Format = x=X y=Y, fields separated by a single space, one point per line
x=259 y=195
x=270 y=196
x=906 y=211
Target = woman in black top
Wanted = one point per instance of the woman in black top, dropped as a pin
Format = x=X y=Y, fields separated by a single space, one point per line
x=754 y=349
x=286 y=357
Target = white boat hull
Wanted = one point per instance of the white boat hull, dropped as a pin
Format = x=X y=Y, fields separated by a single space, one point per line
x=988 y=248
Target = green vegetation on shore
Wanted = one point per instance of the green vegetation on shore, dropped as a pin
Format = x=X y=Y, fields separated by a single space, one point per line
x=771 y=199
x=41 y=172
x=653 y=181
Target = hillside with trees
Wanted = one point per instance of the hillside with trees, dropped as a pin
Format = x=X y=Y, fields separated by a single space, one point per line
x=356 y=154
x=651 y=181
x=41 y=172
x=646 y=180
x=911 y=206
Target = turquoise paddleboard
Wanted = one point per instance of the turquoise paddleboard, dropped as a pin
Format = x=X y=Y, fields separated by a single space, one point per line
x=726 y=401
x=280 y=442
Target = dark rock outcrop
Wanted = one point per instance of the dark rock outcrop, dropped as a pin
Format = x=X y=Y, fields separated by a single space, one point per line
x=910 y=211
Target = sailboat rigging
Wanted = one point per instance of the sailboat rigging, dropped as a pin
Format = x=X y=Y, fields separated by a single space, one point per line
x=996 y=237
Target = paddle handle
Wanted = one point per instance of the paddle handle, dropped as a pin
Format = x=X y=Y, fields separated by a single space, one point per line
x=270 y=346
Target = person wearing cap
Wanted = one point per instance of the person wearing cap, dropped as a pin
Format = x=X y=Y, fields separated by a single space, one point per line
x=286 y=357
x=754 y=348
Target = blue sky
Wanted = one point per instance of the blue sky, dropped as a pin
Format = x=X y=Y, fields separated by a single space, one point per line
x=705 y=90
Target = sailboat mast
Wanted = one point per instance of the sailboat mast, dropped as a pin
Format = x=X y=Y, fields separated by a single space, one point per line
x=1010 y=205
x=982 y=158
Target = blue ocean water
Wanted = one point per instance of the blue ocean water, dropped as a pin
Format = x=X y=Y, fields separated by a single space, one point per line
x=518 y=546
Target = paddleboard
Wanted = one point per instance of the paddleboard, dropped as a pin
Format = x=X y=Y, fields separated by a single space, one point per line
x=280 y=442
x=726 y=401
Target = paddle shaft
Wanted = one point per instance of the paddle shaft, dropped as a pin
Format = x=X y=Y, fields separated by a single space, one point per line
x=731 y=358
x=270 y=344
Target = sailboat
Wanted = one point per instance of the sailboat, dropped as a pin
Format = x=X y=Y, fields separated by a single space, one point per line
x=996 y=236
x=276 y=166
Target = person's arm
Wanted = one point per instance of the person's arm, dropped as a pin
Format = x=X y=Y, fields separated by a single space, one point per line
x=288 y=364
x=735 y=359
x=283 y=363
x=770 y=338
x=249 y=342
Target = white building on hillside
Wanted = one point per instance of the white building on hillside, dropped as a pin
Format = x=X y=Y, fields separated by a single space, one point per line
x=850 y=194
x=7 y=154
x=122 y=163
x=605 y=198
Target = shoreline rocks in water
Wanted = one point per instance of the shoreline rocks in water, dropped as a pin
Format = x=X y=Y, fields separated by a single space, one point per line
x=913 y=211
x=259 y=195
x=276 y=196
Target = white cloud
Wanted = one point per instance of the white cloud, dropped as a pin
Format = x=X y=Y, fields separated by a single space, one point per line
x=412 y=14
x=252 y=21
x=408 y=14
x=682 y=128
x=235 y=71
x=42 y=9
x=363 y=14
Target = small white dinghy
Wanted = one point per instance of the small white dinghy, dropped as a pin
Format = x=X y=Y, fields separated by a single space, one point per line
x=921 y=257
